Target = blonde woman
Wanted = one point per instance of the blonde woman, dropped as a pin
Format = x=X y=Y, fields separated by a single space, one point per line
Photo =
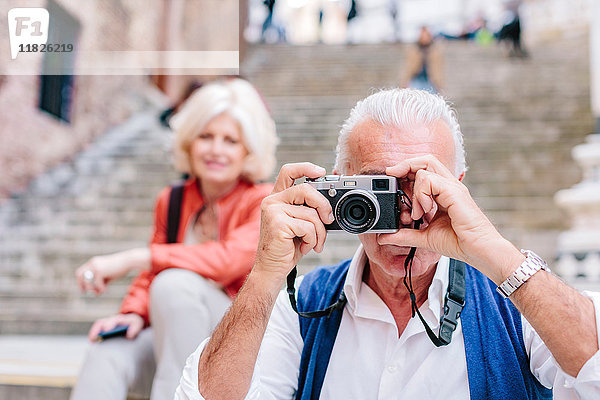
x=225 y=140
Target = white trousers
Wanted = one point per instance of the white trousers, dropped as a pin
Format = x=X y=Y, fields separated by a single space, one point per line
x=184 y=309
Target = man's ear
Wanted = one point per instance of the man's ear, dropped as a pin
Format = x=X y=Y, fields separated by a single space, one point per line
x=461 y=177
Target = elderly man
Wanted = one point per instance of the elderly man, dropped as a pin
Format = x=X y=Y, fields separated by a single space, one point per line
x=545 y=335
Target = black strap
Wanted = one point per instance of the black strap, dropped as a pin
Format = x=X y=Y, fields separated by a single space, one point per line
x=453 y=305
x=291 y=291
x=453 y=302
x=174 y=212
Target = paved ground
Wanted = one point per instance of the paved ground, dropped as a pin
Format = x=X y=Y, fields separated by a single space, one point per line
x=41 y=360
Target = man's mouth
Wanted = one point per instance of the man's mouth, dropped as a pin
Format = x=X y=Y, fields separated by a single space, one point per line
x=395 y=250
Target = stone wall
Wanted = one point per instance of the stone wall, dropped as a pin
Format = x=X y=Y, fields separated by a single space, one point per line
x=32 y=141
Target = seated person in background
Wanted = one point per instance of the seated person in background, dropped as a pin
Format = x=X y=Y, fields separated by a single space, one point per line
x=225 y=139
x=544 y=335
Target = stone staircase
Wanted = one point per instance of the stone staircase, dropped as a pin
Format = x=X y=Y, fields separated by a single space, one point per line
x=520 y=119
x=99 y=202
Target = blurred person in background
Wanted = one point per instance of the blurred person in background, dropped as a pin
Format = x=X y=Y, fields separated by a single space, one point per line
x=270 y=4
x=511 y=30
x=273 y=28
x=423 y=67
x=203 y=247
x=476 y=30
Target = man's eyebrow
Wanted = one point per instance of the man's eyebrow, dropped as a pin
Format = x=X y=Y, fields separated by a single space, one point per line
x=380 y=171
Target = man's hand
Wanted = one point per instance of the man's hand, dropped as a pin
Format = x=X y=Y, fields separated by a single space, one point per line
x=292 y=222
x=135 y=322
x=459 y=229
x=456 y=227
x=104 y=269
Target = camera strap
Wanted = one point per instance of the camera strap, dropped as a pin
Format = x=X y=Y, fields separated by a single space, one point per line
x=454 y=300
x=291 y=291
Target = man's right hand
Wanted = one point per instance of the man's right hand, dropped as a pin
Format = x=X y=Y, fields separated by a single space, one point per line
x=293 y=222
x=135 y=322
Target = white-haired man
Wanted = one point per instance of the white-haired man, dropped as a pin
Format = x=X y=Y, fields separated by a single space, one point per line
x=545 y=335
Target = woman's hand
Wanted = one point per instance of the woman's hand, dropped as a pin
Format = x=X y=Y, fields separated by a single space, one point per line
x=456 y=227
x=98 y=271
x=135 y=322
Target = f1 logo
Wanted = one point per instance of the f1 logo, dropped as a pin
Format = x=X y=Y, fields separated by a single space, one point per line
x=27 y=26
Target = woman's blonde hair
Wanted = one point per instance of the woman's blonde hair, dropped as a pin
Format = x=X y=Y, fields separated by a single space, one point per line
x=238 y=99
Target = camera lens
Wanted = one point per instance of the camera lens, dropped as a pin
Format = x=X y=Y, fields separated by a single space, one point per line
x=357 y=211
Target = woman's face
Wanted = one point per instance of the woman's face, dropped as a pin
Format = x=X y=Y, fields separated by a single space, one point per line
x=217 y=154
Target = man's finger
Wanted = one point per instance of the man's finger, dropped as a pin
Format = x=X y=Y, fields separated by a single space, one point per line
x=408 y=168
x=423 y=201
x=451 y=197
x=306 y=232
x=307 y=195
x=431 y=189
x=310 y=215
x=290 y=172
x=404 y=237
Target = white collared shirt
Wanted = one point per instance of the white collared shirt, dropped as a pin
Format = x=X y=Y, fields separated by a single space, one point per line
x=370 y=361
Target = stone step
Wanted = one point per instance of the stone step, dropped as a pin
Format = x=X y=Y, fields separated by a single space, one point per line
x=40 y=367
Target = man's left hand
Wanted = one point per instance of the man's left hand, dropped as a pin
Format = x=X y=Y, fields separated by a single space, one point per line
x=456 y=228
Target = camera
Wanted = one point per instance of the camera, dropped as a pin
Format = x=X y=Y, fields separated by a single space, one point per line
x=361 y=203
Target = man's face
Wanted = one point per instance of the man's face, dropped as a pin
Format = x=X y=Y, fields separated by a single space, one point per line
x=372 y=148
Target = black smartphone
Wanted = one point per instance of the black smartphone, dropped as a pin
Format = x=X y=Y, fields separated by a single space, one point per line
x=119 y=330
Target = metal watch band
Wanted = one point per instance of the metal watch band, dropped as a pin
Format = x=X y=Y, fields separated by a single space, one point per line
x=532 y=264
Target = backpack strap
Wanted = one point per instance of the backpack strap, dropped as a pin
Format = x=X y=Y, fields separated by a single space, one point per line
x=174 y=212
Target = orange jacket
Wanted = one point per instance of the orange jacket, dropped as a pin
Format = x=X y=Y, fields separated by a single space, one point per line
x=226 y=261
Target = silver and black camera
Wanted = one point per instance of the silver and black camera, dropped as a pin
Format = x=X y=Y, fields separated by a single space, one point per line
x=361 y=203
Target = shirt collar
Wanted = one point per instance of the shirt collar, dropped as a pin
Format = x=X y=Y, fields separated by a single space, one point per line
x=364 y=302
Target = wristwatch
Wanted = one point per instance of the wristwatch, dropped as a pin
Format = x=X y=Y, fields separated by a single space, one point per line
x=532 y=264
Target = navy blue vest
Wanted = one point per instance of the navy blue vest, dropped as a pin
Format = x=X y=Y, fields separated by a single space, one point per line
x=497 y=363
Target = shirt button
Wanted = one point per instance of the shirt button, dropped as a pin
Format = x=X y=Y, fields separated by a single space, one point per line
x=392 y=368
